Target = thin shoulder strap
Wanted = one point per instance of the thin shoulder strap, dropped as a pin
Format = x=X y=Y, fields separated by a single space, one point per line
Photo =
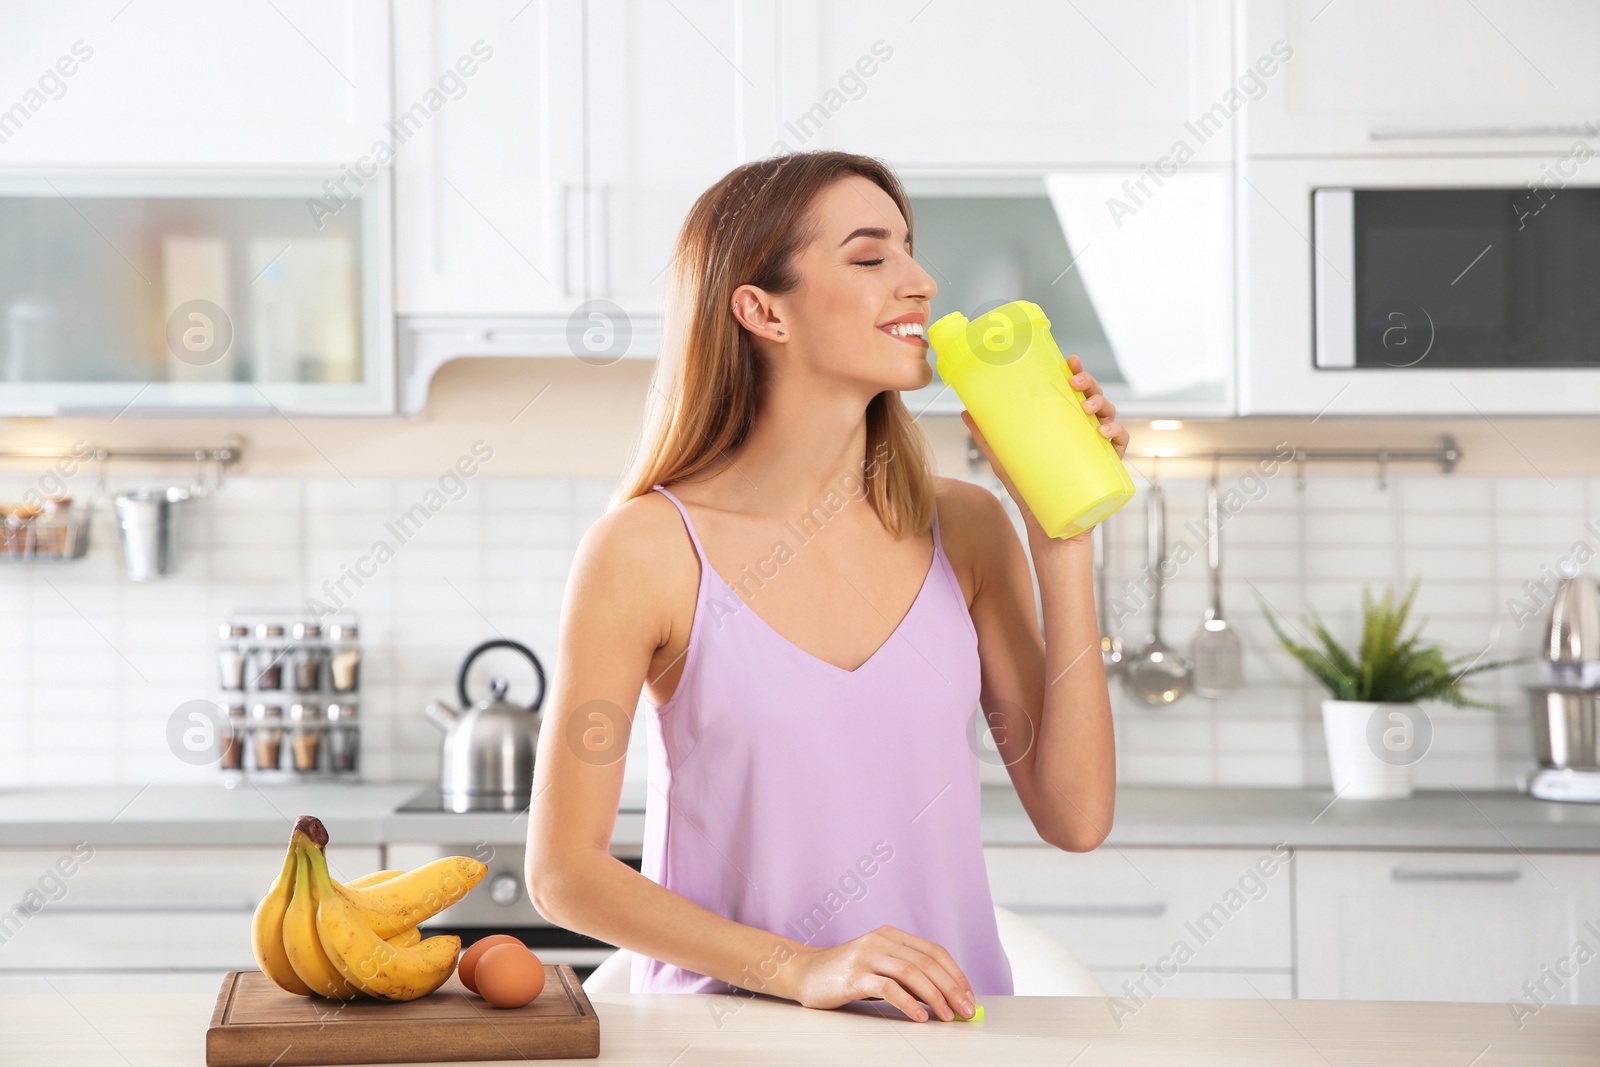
x=938 y=544
x=687 y=522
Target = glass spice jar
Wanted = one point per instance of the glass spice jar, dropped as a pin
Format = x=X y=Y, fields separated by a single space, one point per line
x=266 y=664
x=267 y=730
x=345 y=666
x=344 y=735
x=230 y=656
x=310 y=657
x=305 y=739
x=233 y=743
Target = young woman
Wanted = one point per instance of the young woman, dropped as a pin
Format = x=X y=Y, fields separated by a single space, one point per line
x=814 y=619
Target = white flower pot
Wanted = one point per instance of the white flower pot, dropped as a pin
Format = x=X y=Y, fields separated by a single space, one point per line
x=1373 y=746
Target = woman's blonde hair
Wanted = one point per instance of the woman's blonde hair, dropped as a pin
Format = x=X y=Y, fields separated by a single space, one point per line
x=709 y=382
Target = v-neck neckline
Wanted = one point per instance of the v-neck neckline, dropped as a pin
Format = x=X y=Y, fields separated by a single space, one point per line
x=927 y=579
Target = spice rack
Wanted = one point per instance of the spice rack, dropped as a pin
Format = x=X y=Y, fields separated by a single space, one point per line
x=291 y=690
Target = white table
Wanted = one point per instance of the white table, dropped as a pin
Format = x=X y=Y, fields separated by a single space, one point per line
x=168 y=1030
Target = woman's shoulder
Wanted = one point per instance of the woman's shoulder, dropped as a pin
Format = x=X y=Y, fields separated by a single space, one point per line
x=967 y=510
x=635 y=547
x=972 y=520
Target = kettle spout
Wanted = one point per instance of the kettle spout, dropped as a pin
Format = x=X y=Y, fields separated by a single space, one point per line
x=443 y=715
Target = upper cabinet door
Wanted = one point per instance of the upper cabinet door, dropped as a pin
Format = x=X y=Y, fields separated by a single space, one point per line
x=666 y=86
x=1425 y=76
x=488 y=121
x=189 y=82
x=1032 y=83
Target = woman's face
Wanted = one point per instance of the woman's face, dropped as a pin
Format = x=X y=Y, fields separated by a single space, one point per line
x=860 y=311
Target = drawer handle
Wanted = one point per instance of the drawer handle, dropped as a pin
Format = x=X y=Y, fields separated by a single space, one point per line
x=1417 y=874
x=1140 y=911
x=1397 y=133
x=151 y=909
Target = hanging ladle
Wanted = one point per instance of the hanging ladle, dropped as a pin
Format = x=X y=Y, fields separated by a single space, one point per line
x=1157 y=675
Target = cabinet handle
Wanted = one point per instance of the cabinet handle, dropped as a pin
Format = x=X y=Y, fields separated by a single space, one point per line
x=1420 y=874
x=1400 y=133
x=1152 y=910
x=151 y=909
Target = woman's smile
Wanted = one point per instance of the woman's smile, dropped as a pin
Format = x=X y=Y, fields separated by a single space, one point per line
x=910 y=328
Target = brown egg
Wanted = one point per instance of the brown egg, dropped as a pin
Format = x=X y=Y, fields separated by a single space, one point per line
x=468 y=966
x=509 y=976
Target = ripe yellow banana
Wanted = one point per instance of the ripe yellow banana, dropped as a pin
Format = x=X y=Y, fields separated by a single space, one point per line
x=301 y=942
x=266 y=931
x=371 y=879
x=405 y=938
x=406 y=900
x=365 y=960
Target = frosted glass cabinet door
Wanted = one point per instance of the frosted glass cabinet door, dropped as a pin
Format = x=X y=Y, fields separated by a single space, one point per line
x=149 y=294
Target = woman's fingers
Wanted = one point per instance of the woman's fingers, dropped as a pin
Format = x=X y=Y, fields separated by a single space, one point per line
x=895 y=993
x=915 y=976
x=937 y=961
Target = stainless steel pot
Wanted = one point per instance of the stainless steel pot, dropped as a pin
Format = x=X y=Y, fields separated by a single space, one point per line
x=486 y=763
x=1564 y=734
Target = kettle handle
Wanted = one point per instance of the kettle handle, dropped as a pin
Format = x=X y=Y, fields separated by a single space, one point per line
x=500 y=642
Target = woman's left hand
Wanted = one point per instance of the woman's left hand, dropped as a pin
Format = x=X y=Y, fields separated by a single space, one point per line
x=1095 y=402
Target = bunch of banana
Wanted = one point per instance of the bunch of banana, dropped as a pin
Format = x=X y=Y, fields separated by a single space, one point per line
x=313 y=935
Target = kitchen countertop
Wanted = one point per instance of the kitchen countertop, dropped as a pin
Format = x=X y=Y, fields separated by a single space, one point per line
x=1197 y=818
x=136 y=1030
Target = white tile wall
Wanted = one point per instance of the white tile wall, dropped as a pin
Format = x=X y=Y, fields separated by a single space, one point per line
x=1473 y=541
x=92 y=665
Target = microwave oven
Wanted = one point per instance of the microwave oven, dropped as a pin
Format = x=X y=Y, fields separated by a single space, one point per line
x=1438 y=279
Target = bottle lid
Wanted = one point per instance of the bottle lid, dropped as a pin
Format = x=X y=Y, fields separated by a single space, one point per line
x=269 y=629
x=344 y=631
x=303 y=630
x=305 y=713
x=229 y=630
x=343 y=711
x=263 y=712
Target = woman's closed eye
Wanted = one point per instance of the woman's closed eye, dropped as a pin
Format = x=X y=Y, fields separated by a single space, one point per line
x=868 y=262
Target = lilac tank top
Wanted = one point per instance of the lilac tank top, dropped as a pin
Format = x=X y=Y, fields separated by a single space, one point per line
x=791 y=795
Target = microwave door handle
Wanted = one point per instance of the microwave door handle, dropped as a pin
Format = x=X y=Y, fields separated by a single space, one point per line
x=1333 y=243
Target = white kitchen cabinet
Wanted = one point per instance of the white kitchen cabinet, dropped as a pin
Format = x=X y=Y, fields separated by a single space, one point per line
x=188 y=83
x=1435 y=76
x=1467 y=926
x=489 y=165
x=1184 y=920
x=665 y=102
x=1031 y=83
x=171 y=909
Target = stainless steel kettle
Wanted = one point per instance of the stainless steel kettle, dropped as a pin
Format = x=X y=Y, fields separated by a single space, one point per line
x=486 y=763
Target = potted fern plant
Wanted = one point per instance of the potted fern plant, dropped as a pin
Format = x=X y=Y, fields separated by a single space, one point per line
x=1376 y=731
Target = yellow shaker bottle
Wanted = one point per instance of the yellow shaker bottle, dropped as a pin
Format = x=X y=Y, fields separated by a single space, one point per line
x=1007 y=370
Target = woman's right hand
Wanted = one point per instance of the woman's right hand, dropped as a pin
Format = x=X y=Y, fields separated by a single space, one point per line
x=888 y=963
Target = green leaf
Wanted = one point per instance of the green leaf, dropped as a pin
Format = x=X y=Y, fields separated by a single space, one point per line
x=1387 y=666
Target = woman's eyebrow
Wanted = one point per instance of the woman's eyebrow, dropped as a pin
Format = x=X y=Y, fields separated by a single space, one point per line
x=877 y=233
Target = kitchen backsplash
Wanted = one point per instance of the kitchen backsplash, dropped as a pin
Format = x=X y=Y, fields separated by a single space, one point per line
x=92 y=665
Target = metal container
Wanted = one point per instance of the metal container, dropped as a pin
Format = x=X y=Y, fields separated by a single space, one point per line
x=148 y=519
x=1572 y=634
x=486 y=763
x=1564 y=735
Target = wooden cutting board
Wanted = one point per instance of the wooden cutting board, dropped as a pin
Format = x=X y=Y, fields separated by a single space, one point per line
x=256 y=1024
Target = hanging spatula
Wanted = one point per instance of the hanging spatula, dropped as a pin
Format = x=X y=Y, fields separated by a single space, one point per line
x=1216 y=650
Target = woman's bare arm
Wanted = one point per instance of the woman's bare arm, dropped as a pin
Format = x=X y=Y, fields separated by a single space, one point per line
x=617 y=612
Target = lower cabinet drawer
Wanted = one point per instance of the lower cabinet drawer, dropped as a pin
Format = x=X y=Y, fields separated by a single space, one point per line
x=96 y=908
x=1179 y=910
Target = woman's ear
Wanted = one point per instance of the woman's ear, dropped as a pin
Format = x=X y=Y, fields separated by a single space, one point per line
x=754 y=310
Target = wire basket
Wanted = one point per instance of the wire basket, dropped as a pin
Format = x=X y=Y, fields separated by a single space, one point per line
x=30 y=534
